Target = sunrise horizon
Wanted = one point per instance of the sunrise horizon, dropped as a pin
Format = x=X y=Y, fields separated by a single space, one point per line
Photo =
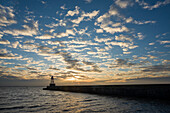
x=86 y=42
x=84 y=56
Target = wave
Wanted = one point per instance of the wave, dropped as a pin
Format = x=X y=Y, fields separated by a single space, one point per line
x=16 y=107
x=35 y=106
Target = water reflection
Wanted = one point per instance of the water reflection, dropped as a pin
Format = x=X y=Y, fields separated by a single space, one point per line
x=34 y=99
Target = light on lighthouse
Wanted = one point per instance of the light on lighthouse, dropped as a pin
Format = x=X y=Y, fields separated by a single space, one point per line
x=52 y=81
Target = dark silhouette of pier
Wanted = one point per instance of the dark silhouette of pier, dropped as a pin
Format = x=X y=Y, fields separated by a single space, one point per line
x=151 y=91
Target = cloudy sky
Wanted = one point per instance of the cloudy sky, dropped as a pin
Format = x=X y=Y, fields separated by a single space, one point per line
x=84 y=42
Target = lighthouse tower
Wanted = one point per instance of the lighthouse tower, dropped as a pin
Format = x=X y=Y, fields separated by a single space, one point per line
x=52 y=84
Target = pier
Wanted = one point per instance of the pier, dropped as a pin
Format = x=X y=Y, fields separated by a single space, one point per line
x=151 y=91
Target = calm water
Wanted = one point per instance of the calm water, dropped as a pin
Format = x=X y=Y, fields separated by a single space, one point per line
x=34 y=99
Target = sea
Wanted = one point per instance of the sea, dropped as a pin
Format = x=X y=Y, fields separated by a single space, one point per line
x=34 y=99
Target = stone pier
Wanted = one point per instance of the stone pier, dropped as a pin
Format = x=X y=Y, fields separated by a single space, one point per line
x=154 y=91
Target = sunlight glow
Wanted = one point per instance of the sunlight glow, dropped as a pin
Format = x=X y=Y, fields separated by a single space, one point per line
x=71 y=79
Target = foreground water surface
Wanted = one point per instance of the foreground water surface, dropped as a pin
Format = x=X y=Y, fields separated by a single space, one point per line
x=34 y=99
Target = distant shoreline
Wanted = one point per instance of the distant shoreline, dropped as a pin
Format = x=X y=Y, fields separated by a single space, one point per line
x=93 y=85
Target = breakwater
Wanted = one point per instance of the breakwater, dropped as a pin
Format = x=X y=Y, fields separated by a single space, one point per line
x=154 y=91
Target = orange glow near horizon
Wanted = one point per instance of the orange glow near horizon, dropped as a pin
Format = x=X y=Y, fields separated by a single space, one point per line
x=71 y=79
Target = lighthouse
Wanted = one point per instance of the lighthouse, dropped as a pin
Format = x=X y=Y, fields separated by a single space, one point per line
x=52 y=84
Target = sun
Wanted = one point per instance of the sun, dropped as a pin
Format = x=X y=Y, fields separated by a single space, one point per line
x=71 y=79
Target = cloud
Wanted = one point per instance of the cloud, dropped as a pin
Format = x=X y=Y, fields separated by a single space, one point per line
x=54 y=68
x=88 y=1
x=54 y=25
x=1 y=35
x=122 y=63
x=123 y=3
x=45 y=36
x=72 y=13
x=139 y=75
x=88 y=63
x=46 y=50
x=131 y=20
x=63 y=7
x=127 y=52
x=68 y=58
x=70 y=31
x=156 y=5
x=142 y=58
x=29 y=42
x=156 y=68
x=140 y=36
x=43 y=2
x=71 y=62
x=114 y=30
x=144 y=22
x=3 y=41
x=6 y=16
x=94 y=68
x=121 y=44
x=81 y=43
x=54 y=42
x=84 y=16
x=29 y=47
x=78 y=20
x=112 y=12
x=161 y=35
x=164 y=42
x=76 y=64
x=76 y=46
x=151 y=43
x=15 y=44
x=3 y=51
x=165 y=61
x=71 y=75
x=29 y=30
x=105 y=23
x=124 y=45
x=18 y=37
x=128 y=20
x=67 y=33
x=91 y=53
x=100 y=49
x=82 y=31
x=30 y=68
x=91 y=15
x=151 y=57
x=102 y=39
x=99 y=31
x=123 y=38
x=4 y=54
x=9 y=77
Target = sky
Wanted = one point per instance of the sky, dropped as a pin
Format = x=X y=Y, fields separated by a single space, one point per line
x=84 y=42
